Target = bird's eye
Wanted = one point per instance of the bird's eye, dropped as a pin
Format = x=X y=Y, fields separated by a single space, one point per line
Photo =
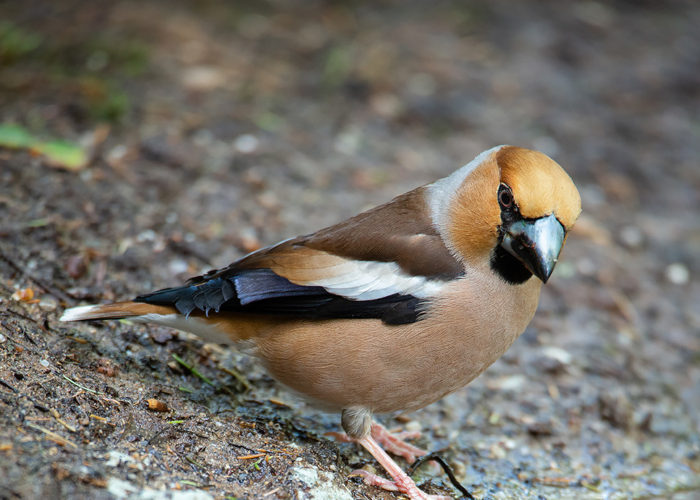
x=505 y=196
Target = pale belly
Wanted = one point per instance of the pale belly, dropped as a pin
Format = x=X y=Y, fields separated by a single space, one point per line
x=365 y=363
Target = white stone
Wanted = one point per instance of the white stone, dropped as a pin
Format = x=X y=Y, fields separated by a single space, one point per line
x=124 y=489
x=320 y=484
x=677 y=273
x=246 y=143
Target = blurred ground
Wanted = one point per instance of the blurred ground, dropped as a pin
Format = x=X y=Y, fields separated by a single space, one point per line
x=212 y=129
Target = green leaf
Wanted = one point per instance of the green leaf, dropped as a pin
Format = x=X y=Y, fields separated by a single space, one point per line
x=45 y=221
x=14 y=136
x=63 y=153
x=190 y=483
x=57 y=152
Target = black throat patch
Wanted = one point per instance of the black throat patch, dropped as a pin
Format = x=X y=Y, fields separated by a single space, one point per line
x=508 y=267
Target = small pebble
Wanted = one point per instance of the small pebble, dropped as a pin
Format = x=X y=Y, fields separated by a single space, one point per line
x=348 y=142
x=386 y=105
x=203 y=138
x=48 y=303
x=631 y=237
x=557 y=354
x=616 y=408
x=248 y=239
x=246 y=143
x=413 y=426
x=117 y=154
x=177 y=266
x=106 y=367
x=146 y=235
x=76 y=265
x=44 y=363
x=507 y=383
x=497 y=452
x=677 y=273
x=2 y=338
x=163 y=336
x=202 y=78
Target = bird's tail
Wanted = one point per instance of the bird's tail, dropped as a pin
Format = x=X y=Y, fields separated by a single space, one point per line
x=117 y=310
x=220 y=330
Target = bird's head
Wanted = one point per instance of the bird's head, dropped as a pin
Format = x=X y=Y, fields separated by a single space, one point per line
x=510 y=207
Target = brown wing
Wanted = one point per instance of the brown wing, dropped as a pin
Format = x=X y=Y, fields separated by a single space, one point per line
x=383 y=263
x=400 y=232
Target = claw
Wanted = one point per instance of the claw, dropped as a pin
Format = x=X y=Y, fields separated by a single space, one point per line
x=395 y=444
x=400 y=482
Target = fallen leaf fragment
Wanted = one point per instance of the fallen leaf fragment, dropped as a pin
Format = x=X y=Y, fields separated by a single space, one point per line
x=14 y=137
x=57 y=152
x=23 y=295
x=102 y=419
x=157 y=405
x=63 y=154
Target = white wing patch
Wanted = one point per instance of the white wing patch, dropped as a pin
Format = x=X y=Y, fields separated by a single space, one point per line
x=367 y=280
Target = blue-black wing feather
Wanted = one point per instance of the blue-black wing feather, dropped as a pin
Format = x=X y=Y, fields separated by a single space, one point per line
x=261 y=291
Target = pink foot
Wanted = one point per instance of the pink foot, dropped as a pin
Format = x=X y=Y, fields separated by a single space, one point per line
x=400 y=482
x=396 y=444
x=406 y=487
x=375 y=480
x=392 y=442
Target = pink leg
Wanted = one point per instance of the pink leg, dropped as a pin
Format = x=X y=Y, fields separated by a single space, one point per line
x=394 y=443
x=401 y=481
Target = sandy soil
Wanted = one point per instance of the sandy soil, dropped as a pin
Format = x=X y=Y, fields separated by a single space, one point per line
x=214 y=129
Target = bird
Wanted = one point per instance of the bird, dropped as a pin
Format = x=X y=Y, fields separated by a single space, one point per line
x=394 y=308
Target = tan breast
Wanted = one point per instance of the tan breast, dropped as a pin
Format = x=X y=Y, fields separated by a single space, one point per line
x=366 y=363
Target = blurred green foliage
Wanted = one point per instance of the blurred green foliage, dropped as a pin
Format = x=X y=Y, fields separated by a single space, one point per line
x=103 y=99
x=16 y=42
x=89 y=70
x=337 y=65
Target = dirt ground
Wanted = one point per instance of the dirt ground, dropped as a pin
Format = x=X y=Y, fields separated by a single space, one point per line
x=213 y=128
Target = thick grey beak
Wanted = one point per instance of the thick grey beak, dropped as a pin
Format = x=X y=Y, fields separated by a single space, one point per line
x=536 y=243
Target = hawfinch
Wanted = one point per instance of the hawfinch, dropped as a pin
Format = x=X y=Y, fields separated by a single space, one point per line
x=394 y=308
